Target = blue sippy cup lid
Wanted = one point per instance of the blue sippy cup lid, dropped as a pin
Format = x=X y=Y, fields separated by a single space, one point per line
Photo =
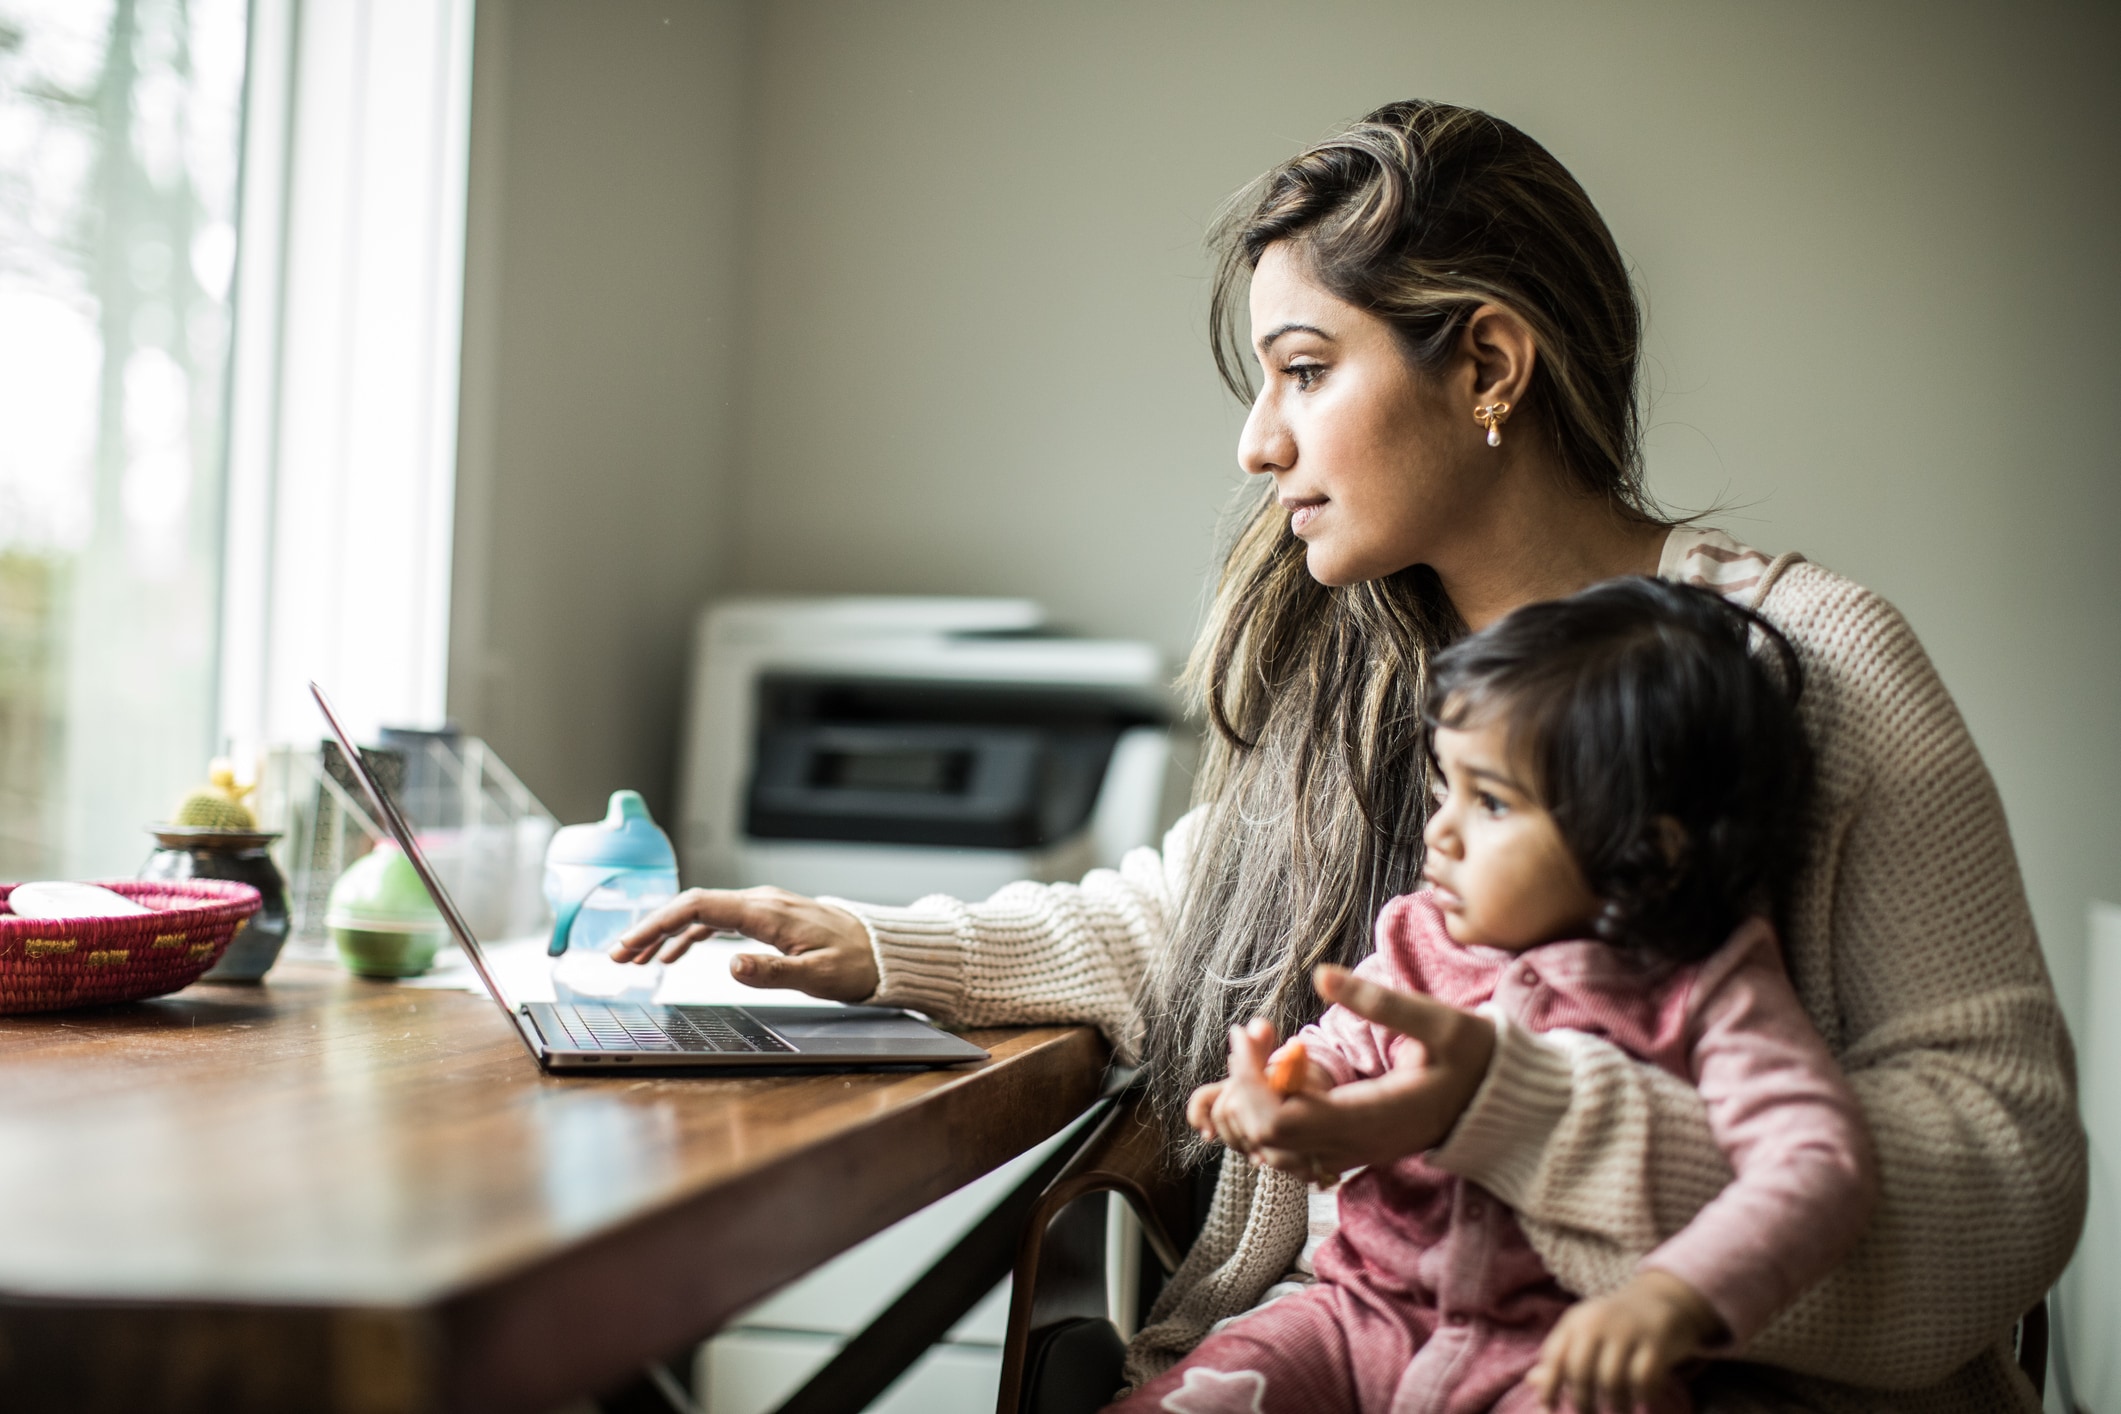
x=626 y=838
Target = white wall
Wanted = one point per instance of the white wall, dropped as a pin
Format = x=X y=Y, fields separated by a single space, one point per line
x=1876 y=242
x=601 y=375
x=1876 y=246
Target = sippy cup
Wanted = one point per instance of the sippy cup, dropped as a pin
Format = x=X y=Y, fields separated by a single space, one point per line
x=601 y=879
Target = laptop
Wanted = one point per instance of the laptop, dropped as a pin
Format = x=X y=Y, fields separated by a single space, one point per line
x=575 y=1037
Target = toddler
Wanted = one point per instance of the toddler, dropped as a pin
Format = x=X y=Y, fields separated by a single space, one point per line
x=1620 y=782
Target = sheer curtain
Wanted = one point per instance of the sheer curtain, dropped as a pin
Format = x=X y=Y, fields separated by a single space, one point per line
x=343 y=420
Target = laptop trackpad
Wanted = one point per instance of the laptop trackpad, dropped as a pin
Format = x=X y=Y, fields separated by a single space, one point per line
x=854 y=1028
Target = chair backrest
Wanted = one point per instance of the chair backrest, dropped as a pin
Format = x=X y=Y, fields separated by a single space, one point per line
x=1056 y=1281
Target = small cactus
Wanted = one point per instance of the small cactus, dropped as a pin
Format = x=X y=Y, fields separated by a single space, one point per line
x=219 y=804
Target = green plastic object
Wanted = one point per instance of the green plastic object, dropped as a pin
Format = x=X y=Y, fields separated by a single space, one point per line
x=381 y=919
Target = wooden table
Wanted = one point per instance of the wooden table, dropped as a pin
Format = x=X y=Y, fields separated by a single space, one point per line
x=329 y=1194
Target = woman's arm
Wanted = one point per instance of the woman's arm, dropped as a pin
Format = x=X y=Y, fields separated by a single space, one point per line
x=1035 y=952
x=1912 y=947
x=1031 y=953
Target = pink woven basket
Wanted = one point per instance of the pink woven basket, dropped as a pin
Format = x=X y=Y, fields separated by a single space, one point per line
x=50 y=963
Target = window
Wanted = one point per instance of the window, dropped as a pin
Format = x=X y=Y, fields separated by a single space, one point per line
x=119 y=133
x=227 y=437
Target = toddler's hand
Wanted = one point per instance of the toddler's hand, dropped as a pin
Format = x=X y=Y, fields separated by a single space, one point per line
x=1613 y=1352
x=1200 y=1110
x=1237 y=1112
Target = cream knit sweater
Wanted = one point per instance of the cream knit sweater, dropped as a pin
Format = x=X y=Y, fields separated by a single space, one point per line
x=1910 y=943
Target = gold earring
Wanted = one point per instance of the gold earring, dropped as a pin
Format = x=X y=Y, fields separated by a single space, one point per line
x=1490 y=416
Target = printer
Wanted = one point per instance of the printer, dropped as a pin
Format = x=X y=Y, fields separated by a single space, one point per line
x=883 y=748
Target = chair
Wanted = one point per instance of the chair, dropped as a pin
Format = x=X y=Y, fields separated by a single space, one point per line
x=1061 y=1353
x=2032 y=1345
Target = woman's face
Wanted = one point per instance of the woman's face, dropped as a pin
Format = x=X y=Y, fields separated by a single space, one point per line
x=1368 y=455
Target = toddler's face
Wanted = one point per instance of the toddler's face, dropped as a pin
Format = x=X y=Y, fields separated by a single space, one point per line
x=1496 y=860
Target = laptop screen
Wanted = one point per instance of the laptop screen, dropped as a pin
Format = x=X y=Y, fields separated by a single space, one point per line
x=387 y=814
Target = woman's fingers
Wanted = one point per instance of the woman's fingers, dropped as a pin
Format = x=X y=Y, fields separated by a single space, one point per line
x=829 y=958
x=677 y=946
x=821 y=974
x=712 y=909
x=1435 y=1071
x=1410 y=1014
x=827 y=952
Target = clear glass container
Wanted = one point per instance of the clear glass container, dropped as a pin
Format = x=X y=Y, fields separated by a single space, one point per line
x=480 y=827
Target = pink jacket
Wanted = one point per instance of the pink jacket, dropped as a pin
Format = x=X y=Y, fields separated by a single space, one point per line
x=1804 y=1181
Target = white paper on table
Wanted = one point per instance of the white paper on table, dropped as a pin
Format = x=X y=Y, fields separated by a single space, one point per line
x=524 y=972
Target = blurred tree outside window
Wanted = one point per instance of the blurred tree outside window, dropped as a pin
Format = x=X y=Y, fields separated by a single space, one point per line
x=120 y=129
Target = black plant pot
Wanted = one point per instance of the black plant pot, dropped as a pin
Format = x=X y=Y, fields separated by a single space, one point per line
x=239 y=855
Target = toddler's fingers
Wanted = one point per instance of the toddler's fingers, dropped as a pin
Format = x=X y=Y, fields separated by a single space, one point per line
x=1614 y=1394
x=1227 y=1115
x=1249 y=1047
x=1545 y=1377
x=1645 y=1372
x=1199 y=1109
x=1579 y=1373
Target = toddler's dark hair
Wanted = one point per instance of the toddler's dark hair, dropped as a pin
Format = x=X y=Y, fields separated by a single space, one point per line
x=1638 y=705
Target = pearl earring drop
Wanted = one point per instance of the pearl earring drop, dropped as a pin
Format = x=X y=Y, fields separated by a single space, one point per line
x=1490 y=416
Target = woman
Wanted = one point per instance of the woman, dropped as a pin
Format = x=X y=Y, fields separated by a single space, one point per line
x=1449 y=426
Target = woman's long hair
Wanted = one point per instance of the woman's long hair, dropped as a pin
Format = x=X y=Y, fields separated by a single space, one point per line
x=1316 y=771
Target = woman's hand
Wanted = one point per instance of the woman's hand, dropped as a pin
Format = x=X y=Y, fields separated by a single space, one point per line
x=1612 y=1353
x=828 y=953
x=1404 y=1111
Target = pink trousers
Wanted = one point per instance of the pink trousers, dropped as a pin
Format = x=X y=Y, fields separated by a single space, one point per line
x=1329 y=1349
x=1335 y=1349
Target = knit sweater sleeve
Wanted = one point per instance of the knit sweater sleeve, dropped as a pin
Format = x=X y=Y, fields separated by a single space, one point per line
x=1033 y=952
x=1912 y=947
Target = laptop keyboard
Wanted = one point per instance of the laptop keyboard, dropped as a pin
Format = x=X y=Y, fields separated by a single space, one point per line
x=624 y=1026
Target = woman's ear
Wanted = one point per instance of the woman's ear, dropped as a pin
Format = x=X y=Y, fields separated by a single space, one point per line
x=1499 y=348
